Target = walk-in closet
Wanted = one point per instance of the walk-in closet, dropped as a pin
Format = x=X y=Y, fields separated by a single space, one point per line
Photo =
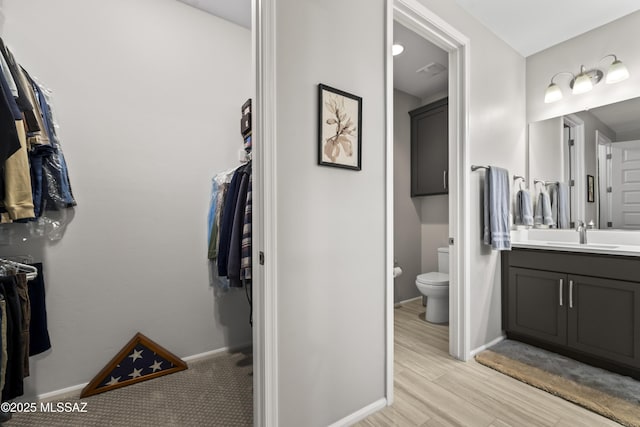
x=142 y=224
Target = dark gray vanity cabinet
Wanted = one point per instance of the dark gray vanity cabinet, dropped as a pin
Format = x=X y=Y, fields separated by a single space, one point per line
x=604 y=318
x=534 y=307
x=586 y=306
x=430 y=149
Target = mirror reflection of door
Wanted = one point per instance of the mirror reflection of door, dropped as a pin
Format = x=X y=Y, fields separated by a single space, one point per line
x=625 y=184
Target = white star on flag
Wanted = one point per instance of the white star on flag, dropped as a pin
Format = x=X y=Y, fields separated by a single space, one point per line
x=137 y=354
x=156 y=366
x=136 y=373
x=113 y=381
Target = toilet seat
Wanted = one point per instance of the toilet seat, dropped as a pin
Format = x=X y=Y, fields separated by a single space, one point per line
x=434 y=278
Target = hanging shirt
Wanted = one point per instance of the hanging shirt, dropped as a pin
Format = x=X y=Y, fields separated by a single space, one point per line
x=226 y=223
x=245 y=260
x=235 y=243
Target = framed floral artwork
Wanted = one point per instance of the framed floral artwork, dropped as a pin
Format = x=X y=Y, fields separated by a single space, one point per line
x=339 y=124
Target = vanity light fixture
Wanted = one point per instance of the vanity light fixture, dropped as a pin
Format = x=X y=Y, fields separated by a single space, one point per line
x=397 y=49
x=586 y=79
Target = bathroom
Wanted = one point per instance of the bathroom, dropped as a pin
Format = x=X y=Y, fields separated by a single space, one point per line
x=421 y=222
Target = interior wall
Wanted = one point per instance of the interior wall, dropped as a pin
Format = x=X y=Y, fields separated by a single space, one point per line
x=406 y=209
x=434 y=230
x=331 y=221
x=618 y=37
x=546 y=152
x=148 y=97
x=496 y=137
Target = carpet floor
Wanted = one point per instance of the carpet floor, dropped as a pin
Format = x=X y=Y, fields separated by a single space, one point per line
x=612 y=395
x=212 y=392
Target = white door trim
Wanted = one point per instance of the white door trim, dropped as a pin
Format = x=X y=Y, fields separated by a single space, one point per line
x=579 y=175
x=421 y=20
x=264 y=227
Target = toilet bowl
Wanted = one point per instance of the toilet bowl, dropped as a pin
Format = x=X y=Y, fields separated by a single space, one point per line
x=435 y=287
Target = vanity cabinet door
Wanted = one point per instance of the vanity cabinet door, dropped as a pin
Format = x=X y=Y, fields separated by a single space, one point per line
x=604 y=318
x=537 y=306
x=430 y=149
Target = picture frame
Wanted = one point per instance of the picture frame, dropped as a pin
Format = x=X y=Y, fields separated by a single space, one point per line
x=590 y=189
x=339 y=128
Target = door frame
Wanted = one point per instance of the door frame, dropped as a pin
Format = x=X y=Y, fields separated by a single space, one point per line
x=422 y=21
x=265 y=225
x=578 y=175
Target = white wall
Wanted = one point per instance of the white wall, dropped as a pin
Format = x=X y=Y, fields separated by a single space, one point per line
x=546 y=152
x=148 y=95
x=434 y=230
x=406 y=209
x=497 y=137
x=331 y=222
x=618 y=37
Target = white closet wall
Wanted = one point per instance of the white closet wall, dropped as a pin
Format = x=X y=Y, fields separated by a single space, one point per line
x=148 y=97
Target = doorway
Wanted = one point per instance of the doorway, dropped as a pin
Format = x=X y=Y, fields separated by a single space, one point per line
x=423 y=22
x=421 y=199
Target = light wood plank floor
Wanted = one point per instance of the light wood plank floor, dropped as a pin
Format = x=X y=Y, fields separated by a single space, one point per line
x=433 y=389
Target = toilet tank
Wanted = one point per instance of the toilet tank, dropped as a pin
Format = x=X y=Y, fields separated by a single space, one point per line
x=443 y=259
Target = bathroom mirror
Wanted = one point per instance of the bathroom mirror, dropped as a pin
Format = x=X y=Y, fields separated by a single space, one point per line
x=598 y=151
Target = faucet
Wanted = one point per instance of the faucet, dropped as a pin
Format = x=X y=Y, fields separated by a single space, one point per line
x=582 y=230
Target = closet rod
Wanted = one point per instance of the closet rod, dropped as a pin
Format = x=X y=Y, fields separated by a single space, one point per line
x=31 y=271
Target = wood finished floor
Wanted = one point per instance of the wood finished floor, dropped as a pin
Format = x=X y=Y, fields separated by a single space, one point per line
x=433 y=389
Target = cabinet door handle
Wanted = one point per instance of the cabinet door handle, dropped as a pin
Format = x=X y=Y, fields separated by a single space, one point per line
x=570 y=293
x=444 y=179
x=560 y=291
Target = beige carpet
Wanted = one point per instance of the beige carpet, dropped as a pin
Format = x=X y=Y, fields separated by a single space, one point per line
x=588 y=394
x=213 y=392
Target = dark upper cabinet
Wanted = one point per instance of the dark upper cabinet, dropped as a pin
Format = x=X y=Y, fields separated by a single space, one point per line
x=430 y=149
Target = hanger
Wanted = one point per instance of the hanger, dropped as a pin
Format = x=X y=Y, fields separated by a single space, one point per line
x=30 y=271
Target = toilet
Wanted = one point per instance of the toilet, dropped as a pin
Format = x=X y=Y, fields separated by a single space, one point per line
x=435 y=287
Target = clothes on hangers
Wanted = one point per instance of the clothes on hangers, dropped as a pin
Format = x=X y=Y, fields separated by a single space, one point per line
x=23 y=327
x=34 y=174
x=230 y=235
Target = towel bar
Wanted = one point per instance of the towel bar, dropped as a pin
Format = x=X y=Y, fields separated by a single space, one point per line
x=475 y=168
x=539 y=181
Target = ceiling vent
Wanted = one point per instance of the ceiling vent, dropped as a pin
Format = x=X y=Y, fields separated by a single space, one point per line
x=432 y=69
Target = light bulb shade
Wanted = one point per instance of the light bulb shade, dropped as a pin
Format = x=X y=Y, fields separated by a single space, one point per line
x=552 y=94
x=617 y=72
x=582 y=84
x=397 y=49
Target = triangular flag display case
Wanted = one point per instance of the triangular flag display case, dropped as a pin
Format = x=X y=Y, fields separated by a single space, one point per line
x=141 y=359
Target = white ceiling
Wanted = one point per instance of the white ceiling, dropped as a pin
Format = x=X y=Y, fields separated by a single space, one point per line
x=621 y=117
x=532 y=26
x=418 y=53
x=236 y=11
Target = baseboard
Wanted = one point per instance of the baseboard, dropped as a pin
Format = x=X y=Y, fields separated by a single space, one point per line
x=213 y=353
x=399 y=303
x=361 y=414
x=74 y=391
x=487 y=345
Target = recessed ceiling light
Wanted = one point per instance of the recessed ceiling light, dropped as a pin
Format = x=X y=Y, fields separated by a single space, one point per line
x=397 y=49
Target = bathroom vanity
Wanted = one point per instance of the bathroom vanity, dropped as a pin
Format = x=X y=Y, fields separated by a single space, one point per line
x=582 y=301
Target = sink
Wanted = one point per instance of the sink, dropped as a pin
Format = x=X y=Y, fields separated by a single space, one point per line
x=582 y=245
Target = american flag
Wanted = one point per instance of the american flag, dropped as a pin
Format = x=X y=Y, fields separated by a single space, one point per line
x=141 y=359
x=141 y=362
